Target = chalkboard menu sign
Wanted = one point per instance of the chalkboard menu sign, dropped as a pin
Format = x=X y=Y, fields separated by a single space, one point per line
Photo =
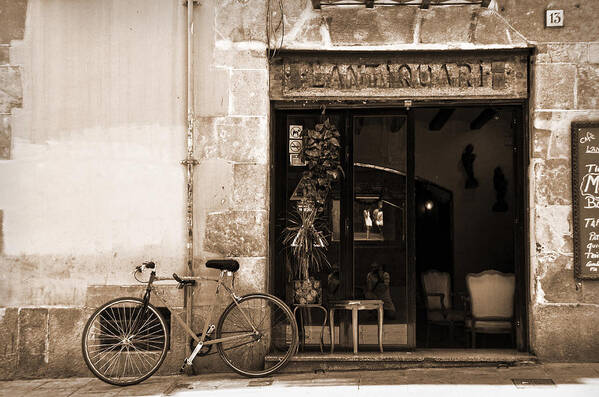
x=585 y=199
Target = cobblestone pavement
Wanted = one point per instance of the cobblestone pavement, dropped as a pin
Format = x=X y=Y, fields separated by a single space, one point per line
x=551 y=380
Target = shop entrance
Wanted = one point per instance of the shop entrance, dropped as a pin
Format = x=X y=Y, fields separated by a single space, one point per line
x=407 y=204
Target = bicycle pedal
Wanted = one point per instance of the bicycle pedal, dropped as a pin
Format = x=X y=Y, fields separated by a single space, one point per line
x=182 y=369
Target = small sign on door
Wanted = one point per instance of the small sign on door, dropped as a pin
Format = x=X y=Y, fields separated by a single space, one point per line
x=295 y=145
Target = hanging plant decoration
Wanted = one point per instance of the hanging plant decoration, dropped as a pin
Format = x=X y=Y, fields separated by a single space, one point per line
x=305 y=237
x=321 y=155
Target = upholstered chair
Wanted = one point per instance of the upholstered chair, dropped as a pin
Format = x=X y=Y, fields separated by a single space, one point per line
x=491 y=303
x=438 y=299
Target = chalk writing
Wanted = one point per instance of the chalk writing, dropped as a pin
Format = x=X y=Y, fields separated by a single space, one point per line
x=587 y=138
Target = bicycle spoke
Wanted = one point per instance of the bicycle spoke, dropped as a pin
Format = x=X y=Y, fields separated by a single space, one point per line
x=125 y=341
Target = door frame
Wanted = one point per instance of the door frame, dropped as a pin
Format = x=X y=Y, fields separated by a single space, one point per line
x=521 y=192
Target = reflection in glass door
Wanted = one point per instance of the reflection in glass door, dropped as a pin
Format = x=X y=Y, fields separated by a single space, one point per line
x=378 y=220
x=366 y=219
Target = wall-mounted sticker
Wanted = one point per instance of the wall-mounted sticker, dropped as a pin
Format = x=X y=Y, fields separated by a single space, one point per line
x=295 y=131
x=295 y=146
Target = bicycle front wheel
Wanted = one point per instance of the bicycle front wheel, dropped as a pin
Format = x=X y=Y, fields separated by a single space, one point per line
x=125 y=342
x=246 y=349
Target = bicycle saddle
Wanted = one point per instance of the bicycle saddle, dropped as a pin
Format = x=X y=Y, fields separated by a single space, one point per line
x=223 y=264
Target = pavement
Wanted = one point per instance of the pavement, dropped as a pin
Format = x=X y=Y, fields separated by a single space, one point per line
x=550 y=379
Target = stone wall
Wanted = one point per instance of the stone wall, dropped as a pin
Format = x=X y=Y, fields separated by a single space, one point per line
x=565 y=88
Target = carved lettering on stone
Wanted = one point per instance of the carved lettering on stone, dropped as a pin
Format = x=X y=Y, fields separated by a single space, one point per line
x=380 y=76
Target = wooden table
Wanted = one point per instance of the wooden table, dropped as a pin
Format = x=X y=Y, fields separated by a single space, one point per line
x=355 y=306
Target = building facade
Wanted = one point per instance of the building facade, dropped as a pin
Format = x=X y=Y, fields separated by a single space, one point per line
x=93 y=129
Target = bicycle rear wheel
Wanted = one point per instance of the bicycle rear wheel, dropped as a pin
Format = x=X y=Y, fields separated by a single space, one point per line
x=277 y=334
x=124 y=343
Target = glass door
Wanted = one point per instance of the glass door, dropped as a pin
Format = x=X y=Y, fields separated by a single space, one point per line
x=366 y=219
x=379 y=187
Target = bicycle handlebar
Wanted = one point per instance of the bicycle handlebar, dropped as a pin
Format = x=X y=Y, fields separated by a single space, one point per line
x=144 y=266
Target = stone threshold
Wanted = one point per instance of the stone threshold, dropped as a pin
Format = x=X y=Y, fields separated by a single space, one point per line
x=419 y=358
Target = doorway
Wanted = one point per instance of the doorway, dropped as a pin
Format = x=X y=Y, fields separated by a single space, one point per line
x=402 y=207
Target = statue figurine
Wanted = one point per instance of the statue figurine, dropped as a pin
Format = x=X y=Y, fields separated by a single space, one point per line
x=468 y=163
x=500 y=184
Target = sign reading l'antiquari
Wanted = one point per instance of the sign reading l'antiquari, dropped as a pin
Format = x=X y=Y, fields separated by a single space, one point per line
x=399 y=75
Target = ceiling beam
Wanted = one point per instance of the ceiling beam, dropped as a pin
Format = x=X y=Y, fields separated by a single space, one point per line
x=440 y=119
x=482 y=119
x=316 y=4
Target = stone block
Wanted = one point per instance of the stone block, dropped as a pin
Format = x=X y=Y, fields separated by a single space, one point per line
x=4 y=55
x=594 y=52
x=556 y=279
x=238 y=139
x=249 y=93
x=252 y=275
x=568 y=52
x=540 y=143
x=11 y=94
x=97 y=295
x=588 y=87
x=214 y=179
x=13 y=14
x=237 y=233
x=9 y=336
x=212 y=92
x=251 y=186
x=552 y=182
x=553 y=229
x=241 y=21
x=33 y=342
x=565 y=332
x=5 y=137
x=374 y=26
x=559 y=123
x=554 y=86
x=231 y=57
x=590 y=291
x=65 y=328
x=491 y=29
x=435 y=23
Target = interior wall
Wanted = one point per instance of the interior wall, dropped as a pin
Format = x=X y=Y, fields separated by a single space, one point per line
x=483 y=239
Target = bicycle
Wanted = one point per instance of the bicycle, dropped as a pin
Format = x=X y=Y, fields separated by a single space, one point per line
x=126 y=340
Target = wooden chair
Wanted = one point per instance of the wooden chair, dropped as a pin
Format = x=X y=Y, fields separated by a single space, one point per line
x=491 y=303
x=438 y=301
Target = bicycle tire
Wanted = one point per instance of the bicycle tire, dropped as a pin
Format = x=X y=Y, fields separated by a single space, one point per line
x=141 y=339
x=247 y=356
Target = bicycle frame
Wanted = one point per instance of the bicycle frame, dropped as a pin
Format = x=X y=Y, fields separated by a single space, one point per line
x=208 y=327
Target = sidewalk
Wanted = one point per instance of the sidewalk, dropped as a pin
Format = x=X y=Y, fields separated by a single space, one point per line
x=569 y=380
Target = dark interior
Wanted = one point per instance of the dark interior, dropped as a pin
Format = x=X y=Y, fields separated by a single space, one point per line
x=453 y=228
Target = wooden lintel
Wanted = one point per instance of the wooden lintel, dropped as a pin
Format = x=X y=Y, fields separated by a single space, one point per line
x=425 y=4
x=485 y=3
x=316 y=4
x=440 y=119
x=369 y=3
x=482 y=119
